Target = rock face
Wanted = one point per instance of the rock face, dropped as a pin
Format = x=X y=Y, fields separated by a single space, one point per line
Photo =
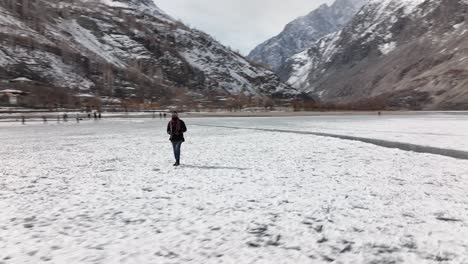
x=117 y=47
x=301 y=33
x=401 y=53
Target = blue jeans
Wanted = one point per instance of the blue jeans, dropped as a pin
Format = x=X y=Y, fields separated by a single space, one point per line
x=176 y=145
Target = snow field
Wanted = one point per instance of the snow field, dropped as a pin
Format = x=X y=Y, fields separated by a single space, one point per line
x=106 y=193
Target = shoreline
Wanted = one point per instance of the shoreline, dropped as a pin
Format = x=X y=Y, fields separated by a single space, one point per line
x=317 y=113
x=52 y=116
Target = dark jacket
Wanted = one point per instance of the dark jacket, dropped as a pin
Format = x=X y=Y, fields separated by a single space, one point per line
x=176 y=131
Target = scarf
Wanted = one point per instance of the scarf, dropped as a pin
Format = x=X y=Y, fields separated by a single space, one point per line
x=175 y=126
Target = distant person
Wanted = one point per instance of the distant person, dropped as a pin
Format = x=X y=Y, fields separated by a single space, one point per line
x=160 y=115
x=65 y=117
x=77 y=118
x=44 y=119
x=165 y=115
x=176 y=129
x=23 y=120
x=99 y=115
x=89 y=115
x=95 y=115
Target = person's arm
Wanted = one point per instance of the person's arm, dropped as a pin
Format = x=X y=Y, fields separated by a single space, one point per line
x=168 y=128
x=184 y=128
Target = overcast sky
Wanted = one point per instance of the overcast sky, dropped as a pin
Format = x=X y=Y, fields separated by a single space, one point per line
x=241 y=24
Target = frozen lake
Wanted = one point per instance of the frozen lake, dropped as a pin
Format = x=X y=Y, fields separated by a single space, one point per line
x=440 y=130
x=105 y=192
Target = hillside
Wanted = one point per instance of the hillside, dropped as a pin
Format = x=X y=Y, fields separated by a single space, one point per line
x=124 y=49
x=397 y=53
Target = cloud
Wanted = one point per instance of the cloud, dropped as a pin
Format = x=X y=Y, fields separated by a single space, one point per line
x=241 y=24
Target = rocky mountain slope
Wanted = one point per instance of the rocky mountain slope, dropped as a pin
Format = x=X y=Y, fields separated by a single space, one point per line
x=301 y=33
x=400 y=53
x=121 y=48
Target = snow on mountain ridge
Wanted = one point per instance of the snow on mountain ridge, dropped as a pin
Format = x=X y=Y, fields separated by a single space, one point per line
x=302 y=32
x=408 y=5
x=302 y=63
x=146 y=6
x=379 y=12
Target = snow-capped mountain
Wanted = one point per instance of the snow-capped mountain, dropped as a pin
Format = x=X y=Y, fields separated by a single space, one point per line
x=402 y=53
x=106 y=46
x=301 y=33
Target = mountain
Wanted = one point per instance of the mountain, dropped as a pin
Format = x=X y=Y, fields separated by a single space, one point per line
x=301 y=33
x=399 y=53
x=121 y=48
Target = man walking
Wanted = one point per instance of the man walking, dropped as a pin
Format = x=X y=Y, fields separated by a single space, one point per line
x=176 y=129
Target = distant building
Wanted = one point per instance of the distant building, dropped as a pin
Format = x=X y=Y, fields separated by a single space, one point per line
x=11 y=96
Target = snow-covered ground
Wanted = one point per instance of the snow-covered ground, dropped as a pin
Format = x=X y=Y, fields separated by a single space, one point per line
x=105 y=192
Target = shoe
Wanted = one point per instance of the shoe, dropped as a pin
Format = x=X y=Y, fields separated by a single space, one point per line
x=176 y=164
